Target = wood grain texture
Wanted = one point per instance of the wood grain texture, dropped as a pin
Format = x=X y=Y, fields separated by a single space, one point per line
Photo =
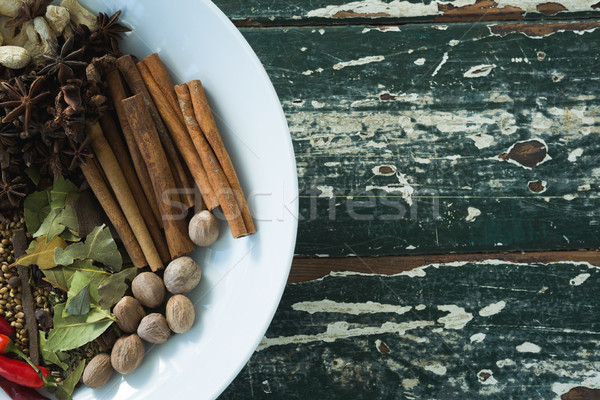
x=305 y=269
x=433 y=139
x=295 y=12
x=484 y=330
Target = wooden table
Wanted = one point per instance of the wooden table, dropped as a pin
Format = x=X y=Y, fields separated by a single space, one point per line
x=457 y=141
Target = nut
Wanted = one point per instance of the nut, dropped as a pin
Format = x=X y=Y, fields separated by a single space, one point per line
x=127 y=354
x=149 y=289
x=129 y=313
x=58 y=18
x=180 y=313
x=98 y=371
x=80 y=15
x=14 y=57
x=154 y=329
x=203 y=228
x=182 y=275
x=10 y=8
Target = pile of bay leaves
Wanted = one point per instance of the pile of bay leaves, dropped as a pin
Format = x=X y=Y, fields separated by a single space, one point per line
x=88 y=272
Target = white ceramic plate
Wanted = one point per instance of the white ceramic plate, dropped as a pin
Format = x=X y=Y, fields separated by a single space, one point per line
x=243 y=279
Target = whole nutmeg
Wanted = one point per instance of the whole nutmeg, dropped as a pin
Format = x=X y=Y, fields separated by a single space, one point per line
x=203 y=228
x=154 y=328
x=149 y=289
x=180 y=313
x=127 y=354
x=98 y=371
x=129 y=313
x=182 y=275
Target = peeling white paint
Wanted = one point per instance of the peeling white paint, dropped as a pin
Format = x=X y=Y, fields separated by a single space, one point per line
x=579 y=279
x=444 y=60
x=410 y=247
x=544 y=185
x=409 y=383
x=453 y=42
x=436 y=368
x=507 y=362
x=303 y=49
x=308 y=72
x=377 y=170
x=589 y=379
x=492 y=309
x=326 y=191
x=329 y=306
x=477 y=338
x=317 y=104
x=510 y=160
x=457 y=318
x=479 y=71
x=489 y=380
x=419 y=61
x=482 y=140
x=528 y=347
x=421 y=160
x=378 y=344
x=584 y=188
x=420 y=307
x=570 y=197
x=574 y=154
x=332 y=164
x=342 y=330
x=472 y=214
x=360 y=61
x=321 y=32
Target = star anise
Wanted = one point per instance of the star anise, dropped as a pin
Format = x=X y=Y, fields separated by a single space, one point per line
x=70 y=123
x=29 y=10
x=111 y=31
x=22 y=102
x=79 y=153
x=63 y=61
x=12 y=189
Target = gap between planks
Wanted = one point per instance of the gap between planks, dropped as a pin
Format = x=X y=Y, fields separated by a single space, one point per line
x=305 y=268
x=264 y=22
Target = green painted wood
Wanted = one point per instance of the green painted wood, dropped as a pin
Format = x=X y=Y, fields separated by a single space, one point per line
x=457 y=331
x=398 y=133
x=294 y=12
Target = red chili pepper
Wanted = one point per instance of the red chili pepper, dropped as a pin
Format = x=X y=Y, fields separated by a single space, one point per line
x=18 y=392
x=6 y=344
x=5 y=327
x=22 y=373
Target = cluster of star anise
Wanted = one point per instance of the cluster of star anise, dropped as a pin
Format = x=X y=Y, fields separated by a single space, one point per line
x=44 y=108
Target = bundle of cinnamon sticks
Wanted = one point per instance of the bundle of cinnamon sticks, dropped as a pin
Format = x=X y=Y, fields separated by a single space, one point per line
x=144 y=173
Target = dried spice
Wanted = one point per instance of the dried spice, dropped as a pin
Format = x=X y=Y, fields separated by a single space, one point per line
x=22 y=101
x=28 y=11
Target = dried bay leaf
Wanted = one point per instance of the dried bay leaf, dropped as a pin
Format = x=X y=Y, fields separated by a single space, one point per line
x=78 y=297
x=36 y=209
x=98 y=246
x=42 y=254
x=76 y=330
x=113 y=288
x=63 y=192
x=65 y=390
x=52 y=357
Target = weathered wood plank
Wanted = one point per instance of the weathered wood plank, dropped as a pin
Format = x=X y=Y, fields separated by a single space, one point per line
x=278 y=12
x=305 y=269
x=429 y=139
x=460 y=331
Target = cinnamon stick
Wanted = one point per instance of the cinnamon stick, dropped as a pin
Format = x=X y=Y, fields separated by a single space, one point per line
x=19 y=241
x=217 y=178
x=181 y=138
x=163 y=80
x=113 y=136
x=162 y=180
x=207 y=123
x=118 y=93
x=137 y=86
x=106 y=199
x=118 y=184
